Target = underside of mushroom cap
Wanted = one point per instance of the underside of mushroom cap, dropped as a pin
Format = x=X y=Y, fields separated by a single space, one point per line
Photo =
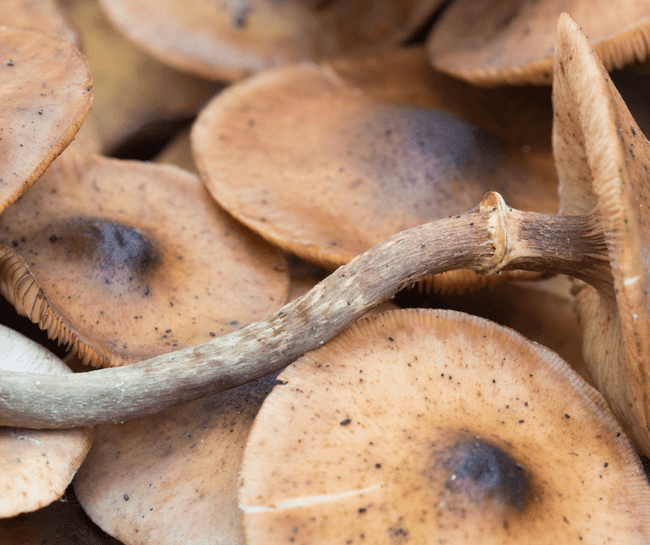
x=227 y=40
x=603 y=160
x=510 y=42
x=436 y=426
x=327 y=187
x=46 y=91
x=123 y=260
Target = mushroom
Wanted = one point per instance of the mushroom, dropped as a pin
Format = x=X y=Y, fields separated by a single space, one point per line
x=46 y=91
x=498 y=42
x=44 y=15
x=488 y=438
x=230 y=39
x=37 y=465
x=173 y=476
x=490 y=238
x=328 y=187
x=123 y=260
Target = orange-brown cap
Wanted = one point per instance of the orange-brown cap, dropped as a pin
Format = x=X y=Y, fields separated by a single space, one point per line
x=438 y=427
x=326 y=171
x=123 y=260
x=227 y=40
x=44 y=15
x=499 y=42
x=603 y=160
x=46 y=91
x=36 y=466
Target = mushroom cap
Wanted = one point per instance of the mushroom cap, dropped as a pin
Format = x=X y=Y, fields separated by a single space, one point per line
x=172 y=477
x=46 y=91
x=37 y=465
x=603 y=160
x=436 y=426
x=325 y=170
x=43 y=15
x=227 y=40
x=510 y=42
x=125 y=260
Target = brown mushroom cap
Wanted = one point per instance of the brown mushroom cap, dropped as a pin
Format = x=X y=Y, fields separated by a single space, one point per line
x=37 y=465
x=227 y=40
x=46 y=91
x=603 y=160
x=435 y=426
x=497 y=42
x=125 y=260
x=319 y=168
x=172 y=477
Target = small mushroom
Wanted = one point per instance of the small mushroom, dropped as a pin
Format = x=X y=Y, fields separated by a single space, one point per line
x=230 y=39
x=499 y=42
x=37 y=465
x=44 y=15
x=46 y=90
x=437 y=426
x=122 y=260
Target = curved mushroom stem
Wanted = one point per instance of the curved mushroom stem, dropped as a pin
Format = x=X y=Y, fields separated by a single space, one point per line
x=490 y=238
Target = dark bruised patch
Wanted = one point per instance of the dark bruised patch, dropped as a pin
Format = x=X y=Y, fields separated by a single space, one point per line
x=483 y=471
x=119 y=253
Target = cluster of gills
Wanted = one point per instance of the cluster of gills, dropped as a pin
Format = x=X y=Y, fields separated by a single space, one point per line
x=200 y=248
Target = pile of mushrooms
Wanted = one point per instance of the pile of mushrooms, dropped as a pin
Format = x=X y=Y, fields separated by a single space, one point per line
x=173 y=284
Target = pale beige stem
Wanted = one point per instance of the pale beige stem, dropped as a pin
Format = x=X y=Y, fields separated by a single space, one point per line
x=486 y=240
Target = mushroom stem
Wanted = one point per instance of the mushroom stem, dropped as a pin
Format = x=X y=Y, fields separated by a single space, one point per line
x=489 y=238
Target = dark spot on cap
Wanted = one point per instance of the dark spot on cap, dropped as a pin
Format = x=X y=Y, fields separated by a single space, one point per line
x=482 y=471
x=345 y=422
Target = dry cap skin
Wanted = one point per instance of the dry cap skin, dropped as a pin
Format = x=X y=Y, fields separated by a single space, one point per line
x=172 y=477
x=603 y=160
x=436 y=426
x=44 y=15
x=36 y=465
x=124 y=260
x=46 y=91
x=227 y=40
x=134 y=93
x=497 y=42
x=325 y=172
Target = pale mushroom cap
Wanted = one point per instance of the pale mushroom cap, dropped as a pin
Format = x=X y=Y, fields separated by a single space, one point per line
x=46 y=91
x=603 y=160
x=36 y=465
x=499 y=42
x=172 y=477
x=125 y=260
x=227 y=40
x=44 y=15
x=435 y=426
x=324 y=171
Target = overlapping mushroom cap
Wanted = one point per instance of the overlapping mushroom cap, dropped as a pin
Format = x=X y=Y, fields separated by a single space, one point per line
x=603 y=160
x=497 y=42
x=124 y=260
x=438 y=427
x=227 y=40
x=46 y=91
x=383 y=158
x=37 y=465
